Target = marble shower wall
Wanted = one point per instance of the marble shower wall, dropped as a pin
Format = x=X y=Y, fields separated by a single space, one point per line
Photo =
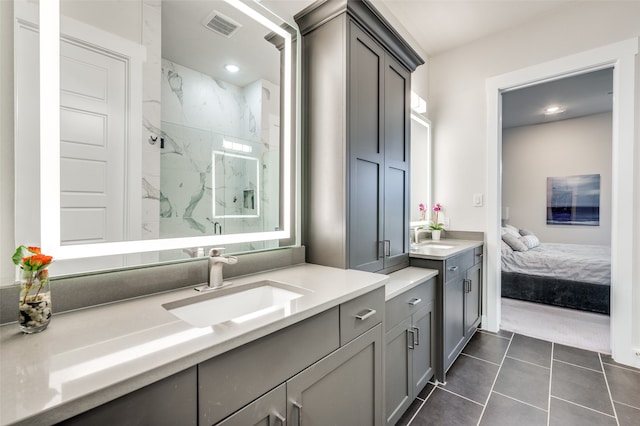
x=198 y=113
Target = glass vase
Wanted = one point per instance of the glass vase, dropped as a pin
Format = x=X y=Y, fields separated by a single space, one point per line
x=35 y=301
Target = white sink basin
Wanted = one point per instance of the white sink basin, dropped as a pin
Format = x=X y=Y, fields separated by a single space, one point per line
x=237 y=304
x=437 y=246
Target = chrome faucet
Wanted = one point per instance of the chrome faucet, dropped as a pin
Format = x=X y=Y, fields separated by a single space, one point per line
x=216 y=262
x=416 y=234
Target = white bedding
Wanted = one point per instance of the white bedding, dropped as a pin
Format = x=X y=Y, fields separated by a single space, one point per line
x=585 y=263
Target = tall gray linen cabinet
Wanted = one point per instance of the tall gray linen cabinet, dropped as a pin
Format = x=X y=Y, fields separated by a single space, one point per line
x=356 y=83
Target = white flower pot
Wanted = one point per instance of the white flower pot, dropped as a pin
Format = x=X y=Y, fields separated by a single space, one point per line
x=435 y=235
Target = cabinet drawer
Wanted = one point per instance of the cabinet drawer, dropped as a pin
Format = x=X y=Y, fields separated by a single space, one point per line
x=455 y=267
x=405 y=304
x=478 y=253
x=235 y=378
x=361 y=314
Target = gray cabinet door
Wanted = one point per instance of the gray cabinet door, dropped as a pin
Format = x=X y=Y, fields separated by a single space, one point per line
x=268 y=410
x=423 y=322
x=473 y=298
x=398 y=370
x=170 y=401
x=366 y=158
x=344 y=388
x=454 y=325
x=397 y=85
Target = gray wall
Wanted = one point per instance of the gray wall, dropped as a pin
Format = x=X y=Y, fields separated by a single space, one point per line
x=530 y=154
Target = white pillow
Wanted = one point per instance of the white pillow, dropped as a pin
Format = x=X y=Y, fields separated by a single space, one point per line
x=510 y=231
x=514 y=242
x=505 y=248
x=530 y=241
x=512 y=228
x=525 y=232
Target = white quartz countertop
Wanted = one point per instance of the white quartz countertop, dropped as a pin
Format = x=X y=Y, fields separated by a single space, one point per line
x=441 y=249
x=406 y=279
x=88 y=357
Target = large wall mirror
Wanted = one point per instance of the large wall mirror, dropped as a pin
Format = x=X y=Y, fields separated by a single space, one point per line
x=164 y=126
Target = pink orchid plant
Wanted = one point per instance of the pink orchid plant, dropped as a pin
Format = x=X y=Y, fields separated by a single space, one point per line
x=435 y=225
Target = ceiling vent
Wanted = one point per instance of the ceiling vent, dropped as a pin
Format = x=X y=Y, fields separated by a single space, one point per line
x=221 y=24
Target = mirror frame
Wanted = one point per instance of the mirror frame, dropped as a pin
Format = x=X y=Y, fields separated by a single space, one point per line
x=50 y=148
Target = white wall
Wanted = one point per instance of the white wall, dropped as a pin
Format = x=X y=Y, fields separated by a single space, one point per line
x=457 y=91
x=459 y=112
x=573 y=147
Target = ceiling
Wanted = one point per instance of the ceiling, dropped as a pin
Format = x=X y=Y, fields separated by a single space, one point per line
x=434 y=27
x=437 y=26
x=576 y=96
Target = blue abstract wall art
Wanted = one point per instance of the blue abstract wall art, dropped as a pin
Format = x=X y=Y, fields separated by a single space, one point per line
x=573 y=200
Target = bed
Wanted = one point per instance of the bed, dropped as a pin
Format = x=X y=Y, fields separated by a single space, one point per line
x=568 y=275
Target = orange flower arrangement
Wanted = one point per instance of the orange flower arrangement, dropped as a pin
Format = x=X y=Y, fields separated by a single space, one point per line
x=34 y=264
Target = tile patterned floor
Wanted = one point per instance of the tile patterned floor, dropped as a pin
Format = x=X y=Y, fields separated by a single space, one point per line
x=509 y=379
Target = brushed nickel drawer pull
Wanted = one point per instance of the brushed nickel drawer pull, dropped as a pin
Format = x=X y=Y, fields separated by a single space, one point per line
x=281 y=419
x=299 y=407
x=417 y=336
x=415 y=301
x=369 y=314
x=412 y=345
x=453 y=268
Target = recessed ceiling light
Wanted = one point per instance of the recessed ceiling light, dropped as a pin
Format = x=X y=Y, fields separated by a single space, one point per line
x=231 y=68
x=553 y=110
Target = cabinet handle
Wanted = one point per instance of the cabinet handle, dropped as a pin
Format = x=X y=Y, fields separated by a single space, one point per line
x=417 y=336
x=380 y=249
x=413 y=338
x=467 y=286
x=453 y=268
x=480 y=254
x=415 y=301
x=299 y=407
x=362 y=317
x=281 y=419
x=387 y=248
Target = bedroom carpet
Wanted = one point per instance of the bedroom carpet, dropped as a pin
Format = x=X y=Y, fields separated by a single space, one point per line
x=569 y=327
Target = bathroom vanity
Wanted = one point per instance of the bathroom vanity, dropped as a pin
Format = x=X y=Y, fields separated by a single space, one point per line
x=135 y=362
x=458 y=294
x=410 y=345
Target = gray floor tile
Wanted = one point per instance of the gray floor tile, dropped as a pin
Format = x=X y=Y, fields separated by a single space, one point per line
x=627 y=416
x=608 y=360
x=503 y=411
x=471 y=378
x=501 y=333
x=488 y=347
x=424 y=393
x=581 y=386
x=406 y=417
x=532 y=350
x=624 y=385
x=563 y=413
x=581 y=357
x=525 y=382
x=446 y=409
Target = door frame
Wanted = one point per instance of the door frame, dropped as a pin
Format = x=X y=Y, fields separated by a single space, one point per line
x=621 y=57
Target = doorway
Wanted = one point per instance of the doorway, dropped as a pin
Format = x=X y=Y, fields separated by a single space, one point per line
x=620 y=56
x=556 y=187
